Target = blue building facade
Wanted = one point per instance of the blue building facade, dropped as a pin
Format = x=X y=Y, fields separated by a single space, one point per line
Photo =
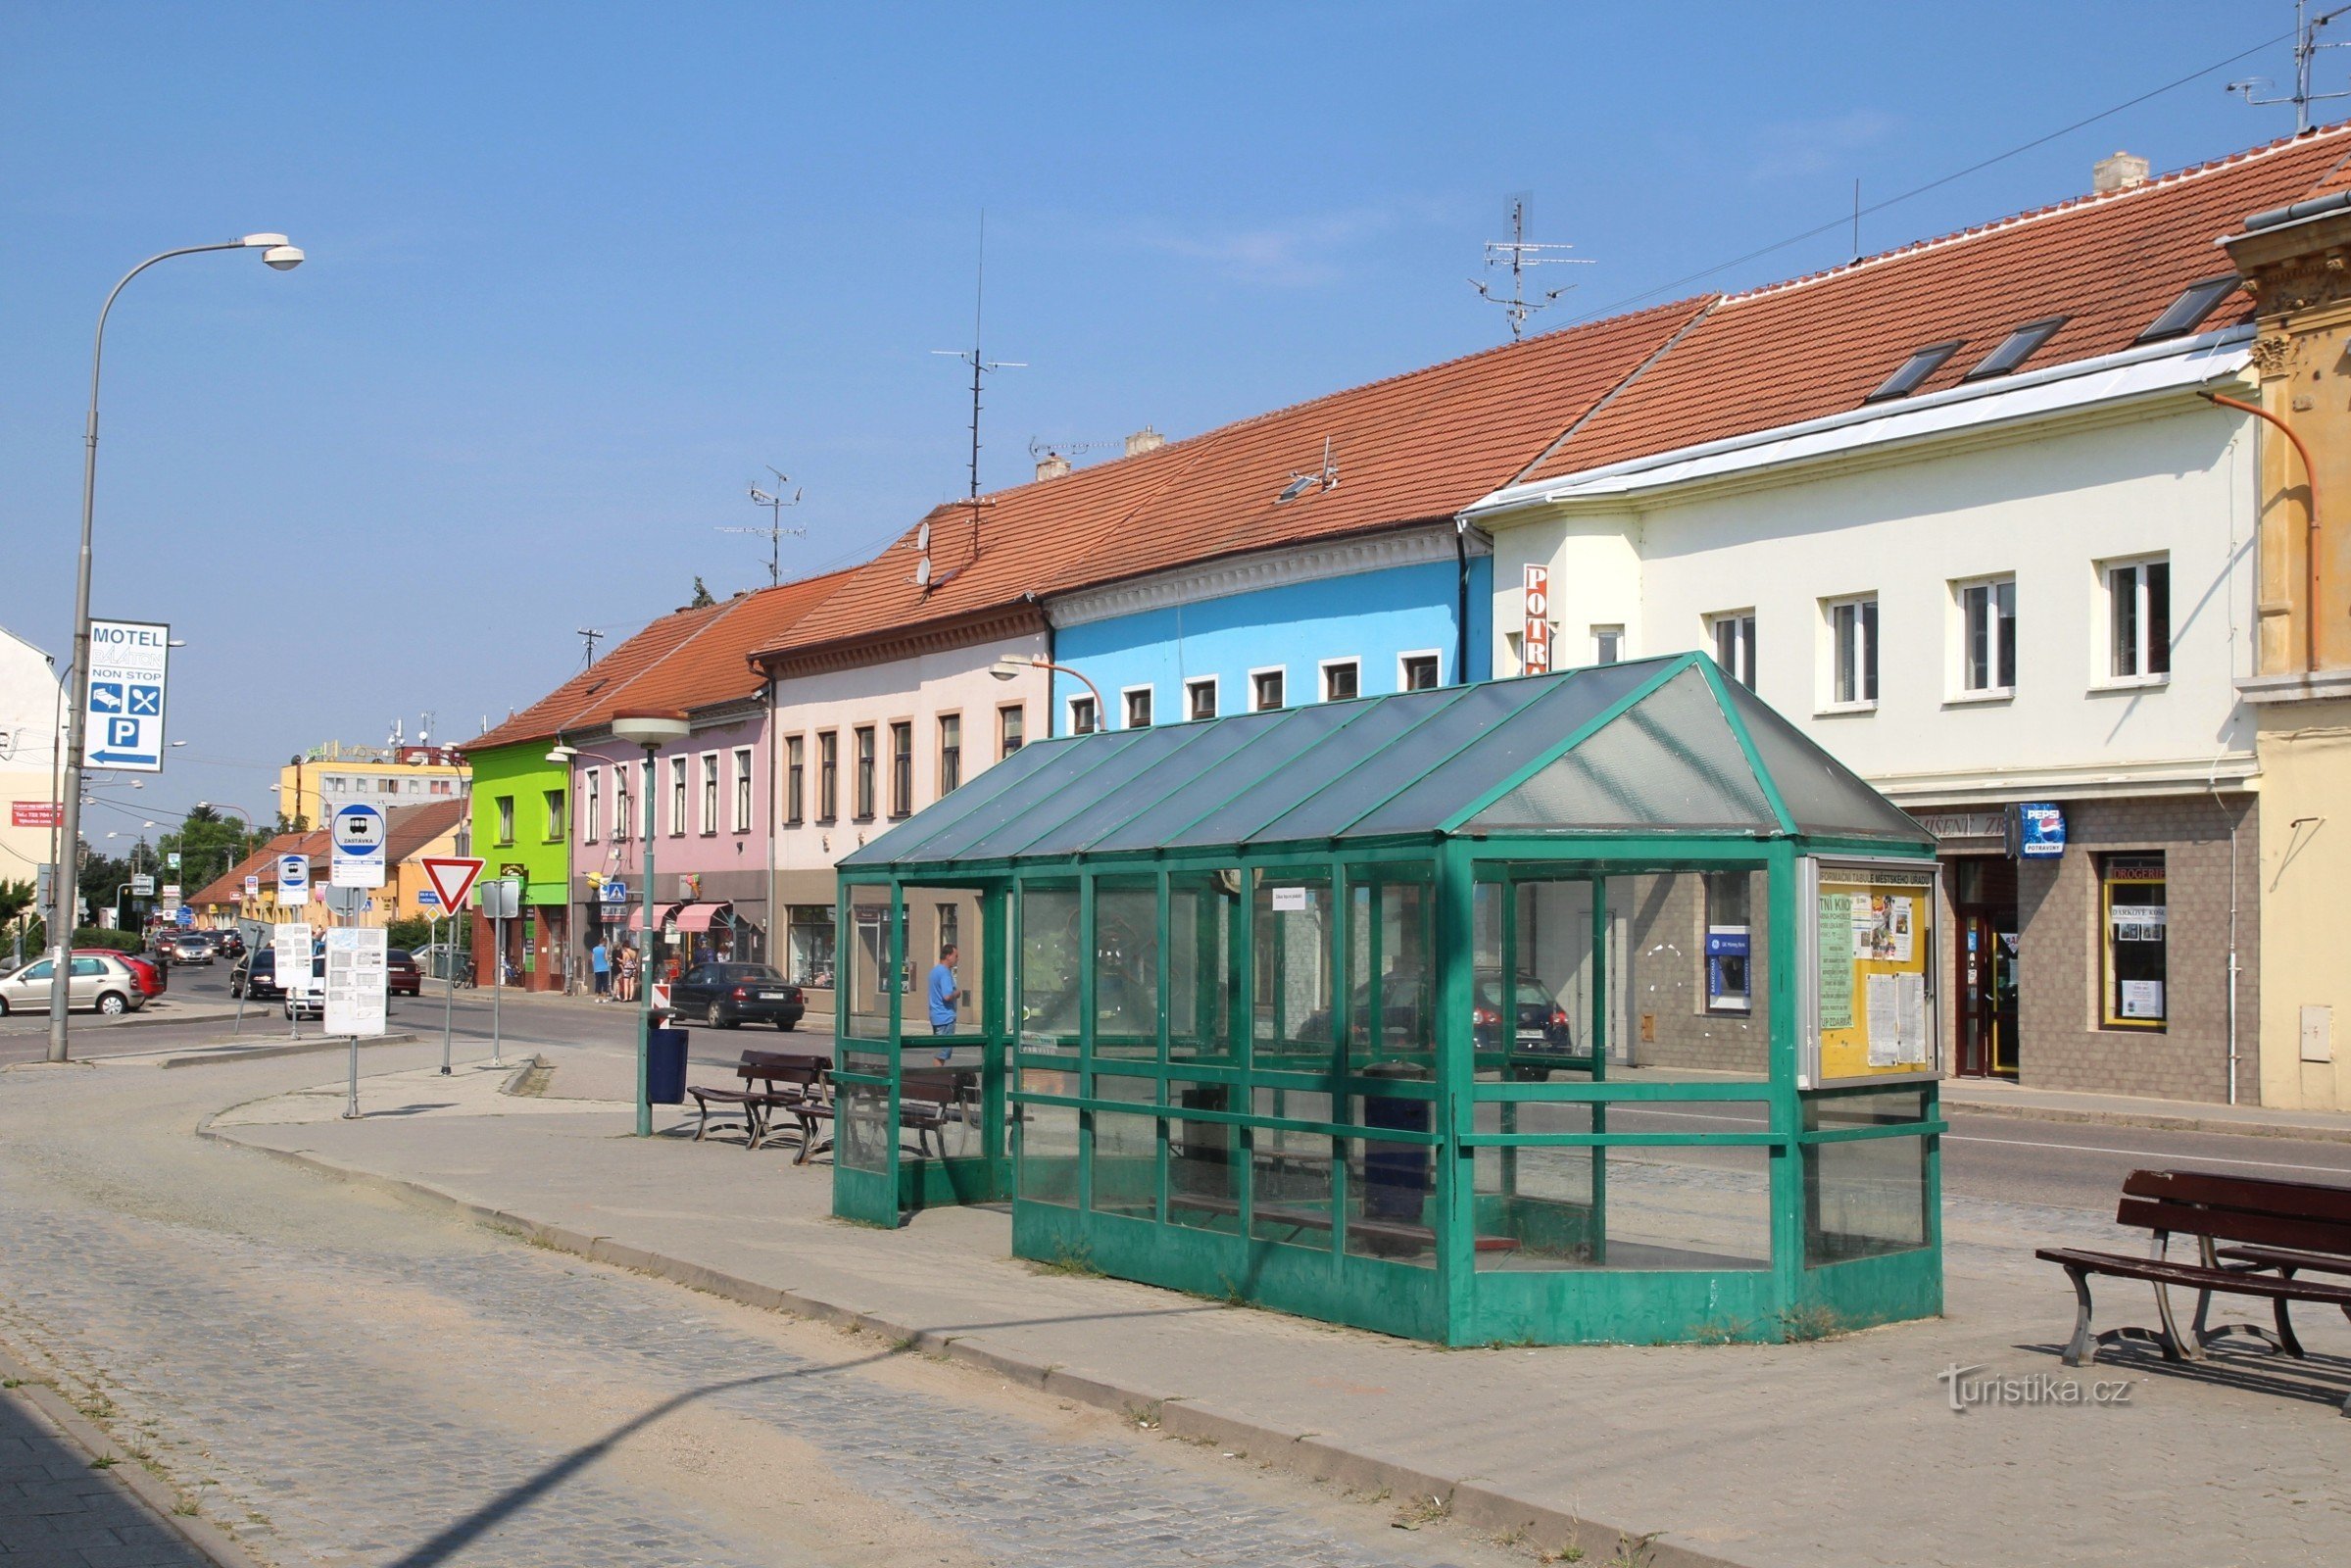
x=1317 y=622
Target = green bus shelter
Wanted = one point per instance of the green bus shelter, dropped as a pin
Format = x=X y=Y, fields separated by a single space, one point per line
x=1590 y=1006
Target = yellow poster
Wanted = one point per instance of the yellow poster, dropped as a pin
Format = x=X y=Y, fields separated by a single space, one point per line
x=1875 y=947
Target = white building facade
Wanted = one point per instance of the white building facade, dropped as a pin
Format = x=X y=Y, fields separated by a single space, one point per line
x=31 y=713
x=2031 y=592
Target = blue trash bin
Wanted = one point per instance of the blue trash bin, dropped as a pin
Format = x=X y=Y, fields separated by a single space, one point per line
x=665 y=1066
x=1397 y=1177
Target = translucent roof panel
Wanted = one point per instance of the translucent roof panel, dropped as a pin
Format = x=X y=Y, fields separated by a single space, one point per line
x=1666 y=764
x=1648 y=747
x=1822 y=794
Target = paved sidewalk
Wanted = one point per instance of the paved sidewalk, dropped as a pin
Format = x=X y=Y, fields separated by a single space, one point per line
x=1839 y=1453
x=2132 y=1110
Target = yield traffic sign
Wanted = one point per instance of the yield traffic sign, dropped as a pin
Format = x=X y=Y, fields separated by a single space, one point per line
x=452 y=877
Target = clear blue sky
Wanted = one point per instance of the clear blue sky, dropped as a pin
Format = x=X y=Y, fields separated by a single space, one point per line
x=578 y=272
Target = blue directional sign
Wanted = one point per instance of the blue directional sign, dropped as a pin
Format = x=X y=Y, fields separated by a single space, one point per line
x=123 y=715
x=356 y=836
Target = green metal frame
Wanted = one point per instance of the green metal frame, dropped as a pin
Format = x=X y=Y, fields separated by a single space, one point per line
x=1326 y=1256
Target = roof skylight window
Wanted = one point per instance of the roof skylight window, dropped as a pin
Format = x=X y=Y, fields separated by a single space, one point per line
x=1915 y=369
x=2186 y=313
x=2020 y=346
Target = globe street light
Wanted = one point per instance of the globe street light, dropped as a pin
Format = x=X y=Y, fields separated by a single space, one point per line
x=653 y=731
x=282 y=258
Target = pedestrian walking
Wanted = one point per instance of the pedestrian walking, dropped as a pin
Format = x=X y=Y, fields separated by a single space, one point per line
x=943 y=994
x=599 y=963
x=628 y=975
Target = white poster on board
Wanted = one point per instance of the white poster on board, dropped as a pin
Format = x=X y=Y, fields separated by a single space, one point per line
x=357 y=976
x=292 y=941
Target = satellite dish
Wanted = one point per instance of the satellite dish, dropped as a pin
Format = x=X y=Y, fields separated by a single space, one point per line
x=922 y=539
x=922 y=572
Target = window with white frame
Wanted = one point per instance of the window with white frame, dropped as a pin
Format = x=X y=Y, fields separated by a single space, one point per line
x=1138 y=700
x=1853 y=651
x=1083 y=719
x=678 y=797
x=591 y=820
x=1416 y=672
x=1011 y=729
x=710 y=792
x=620 y=794
x=1199 y=698
x=1607 y=645
x=742 y=789
x=1733 y=635
x=1342 y=680
x=2138 y=619
x=1265 y=693
x=1987 y=636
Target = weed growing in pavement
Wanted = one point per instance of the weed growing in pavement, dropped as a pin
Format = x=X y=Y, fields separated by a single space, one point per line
x=1145 y=1417
x=1421 y=1511
x=12 y=1382
x=1719 y=1331
x=1811 y=1321
x=185 y=1507
x=1075 y=1258
x=105 y=1462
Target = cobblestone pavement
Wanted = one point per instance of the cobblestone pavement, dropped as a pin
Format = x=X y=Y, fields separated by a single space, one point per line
x=341 y=1379
x=56 y=1507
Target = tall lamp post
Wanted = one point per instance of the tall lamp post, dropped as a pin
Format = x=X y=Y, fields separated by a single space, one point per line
x=68 y=880
x=1010 y=666
x=653 y=731
x=244 y=845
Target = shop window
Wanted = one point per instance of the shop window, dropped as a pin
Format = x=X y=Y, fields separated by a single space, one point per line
x=1011 y=729
x=1416 y=672
x=1137 y=707
x=808 y=937
x=2136 y=938
x=861 y=795
x=828 y=776
x=1733 y=637
x=1987 y=637
x=1265 y=690
x=1342 y=679
x=1199 y=698
x=1727 y=943
x=1853 y=652
x=2138 y=619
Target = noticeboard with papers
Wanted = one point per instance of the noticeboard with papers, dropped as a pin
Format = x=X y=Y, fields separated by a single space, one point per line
x=1869 y=1008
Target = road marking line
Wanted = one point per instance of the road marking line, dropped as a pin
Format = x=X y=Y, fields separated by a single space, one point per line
x=2142 y=1153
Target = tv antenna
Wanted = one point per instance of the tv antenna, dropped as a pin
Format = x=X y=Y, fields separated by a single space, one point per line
x=775 y=530
x=1521 y=254
x=1324 y=478
x=2306 y=51
x=980 y=368
x=1040 y=449
x=594 y=637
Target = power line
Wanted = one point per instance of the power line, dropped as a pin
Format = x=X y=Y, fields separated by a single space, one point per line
x=1934 y=184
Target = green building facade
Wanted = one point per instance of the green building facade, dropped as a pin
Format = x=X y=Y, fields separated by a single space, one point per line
x=521 y=827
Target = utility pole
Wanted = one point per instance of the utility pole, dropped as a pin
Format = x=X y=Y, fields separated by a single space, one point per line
x=1521 y=254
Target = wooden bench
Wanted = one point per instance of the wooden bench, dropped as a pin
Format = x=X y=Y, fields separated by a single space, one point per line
x=931 y=1098
x=772 y=1081
x=2276 y=1231
x=1309 y=1220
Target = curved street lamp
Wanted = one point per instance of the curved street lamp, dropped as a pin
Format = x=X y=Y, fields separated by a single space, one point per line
x=283 y=258
x=1010 y=666
x=653 y=731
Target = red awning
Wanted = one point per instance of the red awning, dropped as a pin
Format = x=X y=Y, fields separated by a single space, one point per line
x=697 y=917
x=636 y=916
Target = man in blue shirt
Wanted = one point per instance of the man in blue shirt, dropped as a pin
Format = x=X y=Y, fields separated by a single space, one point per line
x=945 y=994
x=599 y=963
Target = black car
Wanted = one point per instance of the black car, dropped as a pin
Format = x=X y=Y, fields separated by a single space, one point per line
x=727 y=996
x=256 y=975
x=1541 y=1024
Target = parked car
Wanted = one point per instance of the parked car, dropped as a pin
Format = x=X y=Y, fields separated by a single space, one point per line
x=312 y=1003
x=256 y=976
x=228 y=944
x=184 y=946
x=1541 y=1024
x=99 y=981
x=401 y=977
x=727 y=996
x=154 y=978
x=435 y=958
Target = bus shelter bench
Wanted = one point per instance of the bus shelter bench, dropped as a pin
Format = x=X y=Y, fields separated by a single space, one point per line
x=1302 y=1220
x=930 y=1100
x=772 y=1081
x=2276 y=1231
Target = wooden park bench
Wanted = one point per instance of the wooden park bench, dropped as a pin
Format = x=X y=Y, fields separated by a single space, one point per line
x=2274 y=1233
x=773 y=1081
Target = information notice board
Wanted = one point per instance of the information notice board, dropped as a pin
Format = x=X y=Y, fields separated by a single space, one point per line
x=1870 y=1014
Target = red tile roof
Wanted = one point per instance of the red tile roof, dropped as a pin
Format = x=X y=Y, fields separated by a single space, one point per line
x=1818 y=345
x=686 y=659
x=1412 y=448
x=410 y=830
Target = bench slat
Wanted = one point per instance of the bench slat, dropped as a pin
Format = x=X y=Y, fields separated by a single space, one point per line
x=2272 y=1229
x=2194 y=1276
x=2319 y=1200
x=2288 y=1257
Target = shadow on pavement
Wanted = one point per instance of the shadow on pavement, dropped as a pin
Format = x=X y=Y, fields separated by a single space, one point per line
x=56 y=1507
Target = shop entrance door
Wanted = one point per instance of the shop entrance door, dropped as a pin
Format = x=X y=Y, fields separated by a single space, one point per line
x=1984 y=965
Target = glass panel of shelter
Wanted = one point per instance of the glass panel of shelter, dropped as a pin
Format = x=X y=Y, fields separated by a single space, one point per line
x=868 y=995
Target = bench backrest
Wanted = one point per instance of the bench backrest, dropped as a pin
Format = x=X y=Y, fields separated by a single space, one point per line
x=936 y=1087
x=2309 y=1216
x=784 y=1066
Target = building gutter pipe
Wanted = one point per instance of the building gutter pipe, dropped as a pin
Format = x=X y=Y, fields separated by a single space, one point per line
x=2310 y=475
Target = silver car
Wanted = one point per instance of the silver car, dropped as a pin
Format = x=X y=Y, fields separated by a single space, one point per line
x=99 y=984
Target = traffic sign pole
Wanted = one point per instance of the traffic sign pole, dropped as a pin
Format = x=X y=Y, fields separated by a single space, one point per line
x=449 y=997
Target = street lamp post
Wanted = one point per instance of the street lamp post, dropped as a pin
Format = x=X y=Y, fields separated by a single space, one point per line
x=284 y=258
x=651 y=731
x=1010 y=666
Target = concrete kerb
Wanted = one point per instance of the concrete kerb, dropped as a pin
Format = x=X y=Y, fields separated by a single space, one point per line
x=1305 y=1454
x=214 y=1051
x=2153 y=1121
x=122 y=1468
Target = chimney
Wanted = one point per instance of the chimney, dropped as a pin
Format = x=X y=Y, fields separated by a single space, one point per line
x=1145 y=440
x=2118 y=173
x=1052 y=466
